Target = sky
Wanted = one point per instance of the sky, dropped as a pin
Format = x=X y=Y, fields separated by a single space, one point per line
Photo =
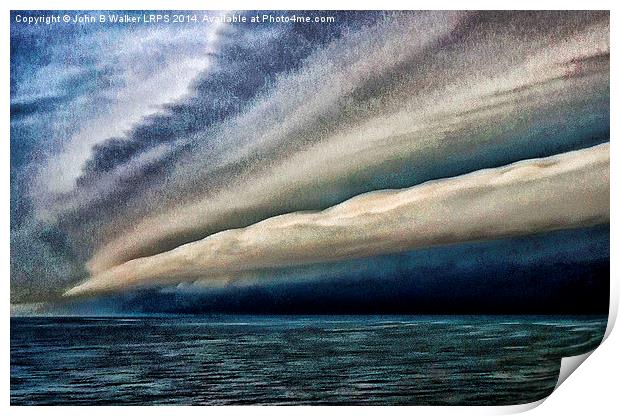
x=384 y=162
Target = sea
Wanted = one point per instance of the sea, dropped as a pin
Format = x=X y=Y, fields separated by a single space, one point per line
x=293 y=360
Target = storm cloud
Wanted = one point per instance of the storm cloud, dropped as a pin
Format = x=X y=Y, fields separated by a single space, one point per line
x=128 y=143
x=565 y=191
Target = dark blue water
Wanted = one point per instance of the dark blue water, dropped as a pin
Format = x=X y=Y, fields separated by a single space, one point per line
x=292 y=360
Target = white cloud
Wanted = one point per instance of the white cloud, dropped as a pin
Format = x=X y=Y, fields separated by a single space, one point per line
x=563 y=191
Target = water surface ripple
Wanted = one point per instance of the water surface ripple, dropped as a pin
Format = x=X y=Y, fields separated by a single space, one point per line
x=218 y=360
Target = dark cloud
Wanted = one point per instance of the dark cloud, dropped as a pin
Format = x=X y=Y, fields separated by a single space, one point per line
x=559 y=272
x=21 y=109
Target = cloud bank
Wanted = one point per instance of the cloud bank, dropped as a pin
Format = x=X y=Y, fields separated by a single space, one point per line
x=564 y=191
x=128 y=142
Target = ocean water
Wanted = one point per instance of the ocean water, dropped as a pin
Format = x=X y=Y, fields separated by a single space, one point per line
x=311 y=360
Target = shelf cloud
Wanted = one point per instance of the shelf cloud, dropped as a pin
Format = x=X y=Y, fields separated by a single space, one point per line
x=563 y=191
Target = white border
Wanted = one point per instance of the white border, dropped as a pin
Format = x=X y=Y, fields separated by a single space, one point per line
x=593 y=389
